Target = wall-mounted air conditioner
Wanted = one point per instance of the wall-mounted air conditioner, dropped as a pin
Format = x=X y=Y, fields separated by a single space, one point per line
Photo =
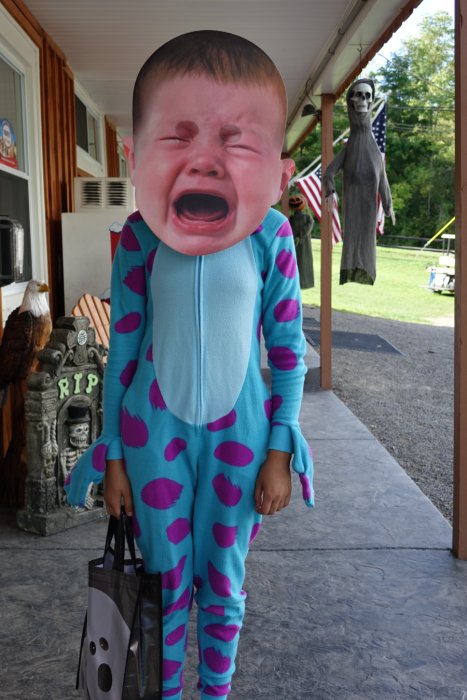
x=101 y=205
x=93 y=193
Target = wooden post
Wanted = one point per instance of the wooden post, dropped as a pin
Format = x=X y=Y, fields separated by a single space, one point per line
x=325 y=348
x=460 y=334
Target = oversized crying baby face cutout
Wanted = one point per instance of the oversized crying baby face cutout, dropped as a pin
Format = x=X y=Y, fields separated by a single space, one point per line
x=206 y=161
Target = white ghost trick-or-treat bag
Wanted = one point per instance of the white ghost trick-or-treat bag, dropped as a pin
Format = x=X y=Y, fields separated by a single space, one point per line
x=121 y=649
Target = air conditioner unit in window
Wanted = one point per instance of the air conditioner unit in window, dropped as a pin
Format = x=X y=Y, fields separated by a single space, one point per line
x=93 y=193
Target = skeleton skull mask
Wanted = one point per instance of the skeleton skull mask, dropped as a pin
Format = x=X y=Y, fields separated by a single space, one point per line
x=79 y=434
x=361 y=97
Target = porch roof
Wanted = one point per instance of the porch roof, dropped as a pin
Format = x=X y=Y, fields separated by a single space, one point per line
x=318 y=46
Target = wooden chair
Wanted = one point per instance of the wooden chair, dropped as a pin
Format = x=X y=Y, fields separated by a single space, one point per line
x=98 y=312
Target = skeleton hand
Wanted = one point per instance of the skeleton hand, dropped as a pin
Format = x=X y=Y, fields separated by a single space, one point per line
x=89 y=502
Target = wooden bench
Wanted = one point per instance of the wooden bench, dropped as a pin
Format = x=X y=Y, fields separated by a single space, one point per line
x=98 y=312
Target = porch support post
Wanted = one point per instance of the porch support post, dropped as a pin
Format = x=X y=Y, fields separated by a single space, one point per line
x=460 y=333
x=325 y=348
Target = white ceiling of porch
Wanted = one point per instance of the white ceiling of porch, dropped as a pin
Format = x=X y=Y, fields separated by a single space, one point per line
x=107 y=41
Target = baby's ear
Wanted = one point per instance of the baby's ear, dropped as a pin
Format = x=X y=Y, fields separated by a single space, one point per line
x=288 y=169
x=129 y=150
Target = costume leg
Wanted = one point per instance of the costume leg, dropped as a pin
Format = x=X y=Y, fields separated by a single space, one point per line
x=163 y=483
x=225 y=521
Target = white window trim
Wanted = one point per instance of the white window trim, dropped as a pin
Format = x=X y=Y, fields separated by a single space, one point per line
x=24 y=55
x=84 y=160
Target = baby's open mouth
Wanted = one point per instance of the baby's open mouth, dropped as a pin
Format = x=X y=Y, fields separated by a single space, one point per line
x=199 y=207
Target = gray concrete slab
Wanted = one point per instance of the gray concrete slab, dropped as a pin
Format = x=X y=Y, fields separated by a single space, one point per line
x=348 y=625
x=358 y=598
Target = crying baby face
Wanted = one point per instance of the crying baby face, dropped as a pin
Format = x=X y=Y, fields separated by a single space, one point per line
x=206 y=161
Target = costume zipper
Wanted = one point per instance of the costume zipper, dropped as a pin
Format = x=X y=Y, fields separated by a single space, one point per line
x=199 y=331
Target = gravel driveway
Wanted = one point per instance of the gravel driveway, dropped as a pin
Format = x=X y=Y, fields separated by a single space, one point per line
x=405 y=400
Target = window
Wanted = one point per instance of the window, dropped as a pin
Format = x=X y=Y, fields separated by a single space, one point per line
x=87 y=131
x=90 y=137
x=21 y=176
x=14 y=175
x=122 y=163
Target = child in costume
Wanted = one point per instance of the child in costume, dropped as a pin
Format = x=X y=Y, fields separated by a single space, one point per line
x=193 y=442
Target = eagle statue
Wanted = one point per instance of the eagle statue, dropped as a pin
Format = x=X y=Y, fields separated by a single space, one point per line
x=26 y=331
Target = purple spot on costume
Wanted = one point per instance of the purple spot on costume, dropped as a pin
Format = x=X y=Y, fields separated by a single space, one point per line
x=226 y=492
x=128 y=323
x=283 y=358
x=176 y=635
x=178 y=530
x=134 y=430
x=223 y=632
x=174 y=448
x=169 y=668
x=255 y=531
x=215 y=660
x=136 y=280
x=161 y=493
x=173 y=578
x=234 y=453
x=223 y=423
x=287 y=310
x=286 y=263
x=155 y=396
x=224 y=534
x=128 y=239
x=98 y=457
x=219 y=582
x=128 y=373
x=150 y=260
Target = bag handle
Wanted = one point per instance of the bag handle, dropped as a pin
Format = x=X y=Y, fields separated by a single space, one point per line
x=119 y=530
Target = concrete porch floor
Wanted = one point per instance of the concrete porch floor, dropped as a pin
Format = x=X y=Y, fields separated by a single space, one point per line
x=358 y=598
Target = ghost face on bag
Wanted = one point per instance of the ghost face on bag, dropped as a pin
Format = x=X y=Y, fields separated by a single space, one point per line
x=107 y=638
x=206 y=161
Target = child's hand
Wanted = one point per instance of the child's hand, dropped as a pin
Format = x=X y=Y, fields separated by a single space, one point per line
x=117 y=489
x=274 y=484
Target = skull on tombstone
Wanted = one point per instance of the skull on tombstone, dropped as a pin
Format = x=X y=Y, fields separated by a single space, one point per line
x=78 y=426
x=78 y=434
x=361 y=97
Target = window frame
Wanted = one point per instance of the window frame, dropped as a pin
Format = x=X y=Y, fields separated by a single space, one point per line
x=24 y=56
x=86 y=162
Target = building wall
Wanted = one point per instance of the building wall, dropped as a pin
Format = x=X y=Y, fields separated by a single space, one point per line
x=56 y=140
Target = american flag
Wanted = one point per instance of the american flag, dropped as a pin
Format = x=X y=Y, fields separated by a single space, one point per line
x=310 y=185
x=379 y=132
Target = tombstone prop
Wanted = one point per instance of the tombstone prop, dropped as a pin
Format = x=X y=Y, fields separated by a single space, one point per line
x=364 y=178
x=63 y=408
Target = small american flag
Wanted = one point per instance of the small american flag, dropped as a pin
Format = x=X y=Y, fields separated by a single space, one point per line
x=310 y=185
x=379 y=132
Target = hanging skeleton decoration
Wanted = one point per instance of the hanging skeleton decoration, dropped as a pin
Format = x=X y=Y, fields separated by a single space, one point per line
x=364 y=178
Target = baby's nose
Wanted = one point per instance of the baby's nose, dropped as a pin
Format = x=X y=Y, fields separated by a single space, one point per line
x=206 y=164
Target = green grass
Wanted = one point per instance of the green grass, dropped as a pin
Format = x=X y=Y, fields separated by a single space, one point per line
x=400 y=291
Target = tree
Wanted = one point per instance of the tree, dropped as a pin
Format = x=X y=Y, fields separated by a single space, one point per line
x=418 y=84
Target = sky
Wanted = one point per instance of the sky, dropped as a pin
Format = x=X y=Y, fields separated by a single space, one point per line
x=410 y=28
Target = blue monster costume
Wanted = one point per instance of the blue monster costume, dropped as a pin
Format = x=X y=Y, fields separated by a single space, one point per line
x=185 y=405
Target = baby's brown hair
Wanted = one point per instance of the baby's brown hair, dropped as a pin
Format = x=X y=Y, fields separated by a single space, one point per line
x=223 y=56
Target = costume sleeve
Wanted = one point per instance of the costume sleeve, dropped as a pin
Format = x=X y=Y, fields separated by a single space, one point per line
x=286 y=346
x=127 y=325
